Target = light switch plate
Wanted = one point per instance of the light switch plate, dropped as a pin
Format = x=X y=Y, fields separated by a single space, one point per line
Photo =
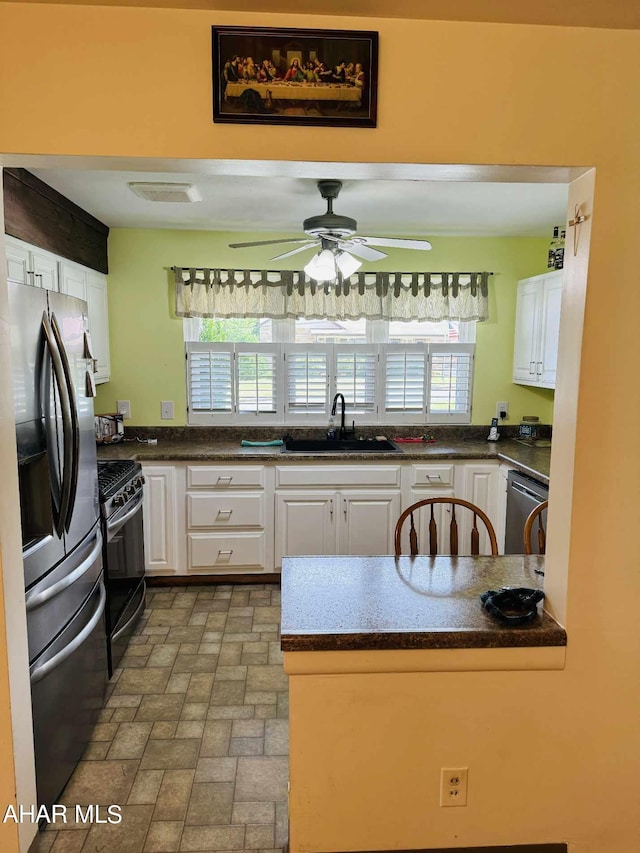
x=166 y=410
x=124 y=408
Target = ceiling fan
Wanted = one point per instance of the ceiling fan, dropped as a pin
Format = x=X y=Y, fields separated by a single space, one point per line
x=335 y=236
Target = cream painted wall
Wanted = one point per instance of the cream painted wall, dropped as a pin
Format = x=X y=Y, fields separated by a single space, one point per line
x=146 y=333
x=119 y=81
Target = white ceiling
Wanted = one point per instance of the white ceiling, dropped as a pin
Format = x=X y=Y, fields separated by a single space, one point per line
x=239 y=203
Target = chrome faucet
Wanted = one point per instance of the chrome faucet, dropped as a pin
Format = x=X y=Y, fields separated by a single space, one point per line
x=343 y=430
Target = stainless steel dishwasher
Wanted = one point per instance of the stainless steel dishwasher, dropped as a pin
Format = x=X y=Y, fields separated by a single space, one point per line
x=523 y=494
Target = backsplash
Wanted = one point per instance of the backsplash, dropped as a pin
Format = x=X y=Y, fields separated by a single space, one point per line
x=204 y=434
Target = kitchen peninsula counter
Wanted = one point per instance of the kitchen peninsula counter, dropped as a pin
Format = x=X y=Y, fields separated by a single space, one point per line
x=532 y=460
x=337 y=603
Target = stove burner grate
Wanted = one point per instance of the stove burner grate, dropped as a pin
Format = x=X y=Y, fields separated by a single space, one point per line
x=113 y=475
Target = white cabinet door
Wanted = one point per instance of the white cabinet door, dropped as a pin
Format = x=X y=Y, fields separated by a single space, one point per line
x=45 y=269
x=367 y=522
x=549 y=332
x=537 y=325
x=160 y=519
x=98 y=310
x=73 y=280
x=28 y=264
x=500 y=522
x=526 y=331
x=305 y=524
x=481 y=488
x=18 y=261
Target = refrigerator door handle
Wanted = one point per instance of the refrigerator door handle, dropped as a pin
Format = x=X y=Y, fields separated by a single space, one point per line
x=40 y=671
x=67 y=425
x=75 y=428
x=39 y=598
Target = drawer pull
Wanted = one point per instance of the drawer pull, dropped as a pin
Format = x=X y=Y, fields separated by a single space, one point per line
x=226 y=512
x=225 y=479
x=225 y=553
x=434 y=477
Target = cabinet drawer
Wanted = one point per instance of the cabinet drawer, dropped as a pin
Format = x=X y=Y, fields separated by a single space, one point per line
x=226 y=552
x=337 y=475
x=225 y=477
x=431 y=475
x=207 y=510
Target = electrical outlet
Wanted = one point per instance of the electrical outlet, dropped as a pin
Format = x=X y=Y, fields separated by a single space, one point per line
x=453 y=786
x=166 y=410
x=124 y=408
x=500 y=408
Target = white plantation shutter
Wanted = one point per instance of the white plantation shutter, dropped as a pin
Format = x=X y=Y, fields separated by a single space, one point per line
x=450 y=383
x=210 y=381
x=307 y=379
x=256 y=379
x=249 y=383
x=405 y=372
x=356 y=369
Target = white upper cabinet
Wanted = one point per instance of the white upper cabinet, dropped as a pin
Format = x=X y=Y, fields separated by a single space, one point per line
x=535 y=350
x=98 y=309
x=73 y=280
x=31 y=265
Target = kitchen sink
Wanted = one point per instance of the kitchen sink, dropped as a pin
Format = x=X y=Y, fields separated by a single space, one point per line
x=339 y=445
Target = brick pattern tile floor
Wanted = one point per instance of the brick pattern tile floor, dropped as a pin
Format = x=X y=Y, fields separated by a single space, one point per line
x=193 y=742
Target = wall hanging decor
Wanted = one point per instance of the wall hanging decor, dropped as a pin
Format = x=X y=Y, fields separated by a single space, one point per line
x=264 y=75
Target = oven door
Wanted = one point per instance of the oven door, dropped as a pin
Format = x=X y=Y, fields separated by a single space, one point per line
x=124 y=557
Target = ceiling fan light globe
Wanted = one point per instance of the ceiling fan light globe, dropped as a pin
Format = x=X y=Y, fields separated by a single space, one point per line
x=322 y=267
x=347 y=264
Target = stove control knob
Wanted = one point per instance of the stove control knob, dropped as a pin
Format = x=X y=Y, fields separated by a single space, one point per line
x=130 y=490
x=120 y=500
x=138 y=482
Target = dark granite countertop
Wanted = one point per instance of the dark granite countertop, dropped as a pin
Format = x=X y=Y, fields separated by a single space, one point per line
x=532 y=460
x=358 y=603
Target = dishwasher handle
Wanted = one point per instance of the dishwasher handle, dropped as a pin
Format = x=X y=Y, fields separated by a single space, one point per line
x=523 y=490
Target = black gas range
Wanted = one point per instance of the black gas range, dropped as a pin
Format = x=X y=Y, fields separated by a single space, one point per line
x=120 y=487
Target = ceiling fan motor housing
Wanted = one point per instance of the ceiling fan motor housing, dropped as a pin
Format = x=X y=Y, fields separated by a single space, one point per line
x=330 y=223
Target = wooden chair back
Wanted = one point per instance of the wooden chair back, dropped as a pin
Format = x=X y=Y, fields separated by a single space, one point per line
x=535 y=514
x=453 y=528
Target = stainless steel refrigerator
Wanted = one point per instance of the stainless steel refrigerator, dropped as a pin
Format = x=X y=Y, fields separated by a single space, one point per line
x=61 y=539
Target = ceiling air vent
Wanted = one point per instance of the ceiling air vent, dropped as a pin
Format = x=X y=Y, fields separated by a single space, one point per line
x=152 y=191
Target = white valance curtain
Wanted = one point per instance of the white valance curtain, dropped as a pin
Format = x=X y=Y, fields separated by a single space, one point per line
x=291 y=294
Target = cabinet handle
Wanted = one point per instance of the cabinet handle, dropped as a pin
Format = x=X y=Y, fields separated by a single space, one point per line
x=531 y=367
x=226 y=479
x=539 y=372
x=434 y=477
x=229 y=553
x=39 y=275
x=330 y=506
x=344 y=507
x=225 y=511
x=33 y=277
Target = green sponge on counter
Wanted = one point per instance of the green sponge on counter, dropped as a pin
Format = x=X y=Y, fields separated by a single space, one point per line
x=277 y=442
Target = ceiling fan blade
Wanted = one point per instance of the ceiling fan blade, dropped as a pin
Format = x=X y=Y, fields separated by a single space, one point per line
x=304 y=248
x=395 y=243
x=267 y=242
x=361 y=251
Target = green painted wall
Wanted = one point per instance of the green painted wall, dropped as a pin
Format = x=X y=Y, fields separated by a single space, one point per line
x=147 y=351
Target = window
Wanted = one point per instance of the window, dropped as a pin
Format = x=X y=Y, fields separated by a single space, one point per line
x=295 y=383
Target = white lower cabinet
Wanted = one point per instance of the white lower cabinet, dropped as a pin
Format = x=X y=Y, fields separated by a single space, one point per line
x=304 y=524
x=219 y=519
x=481 y=488
x=161 y=519
x=229 y=524
x=340 y=522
